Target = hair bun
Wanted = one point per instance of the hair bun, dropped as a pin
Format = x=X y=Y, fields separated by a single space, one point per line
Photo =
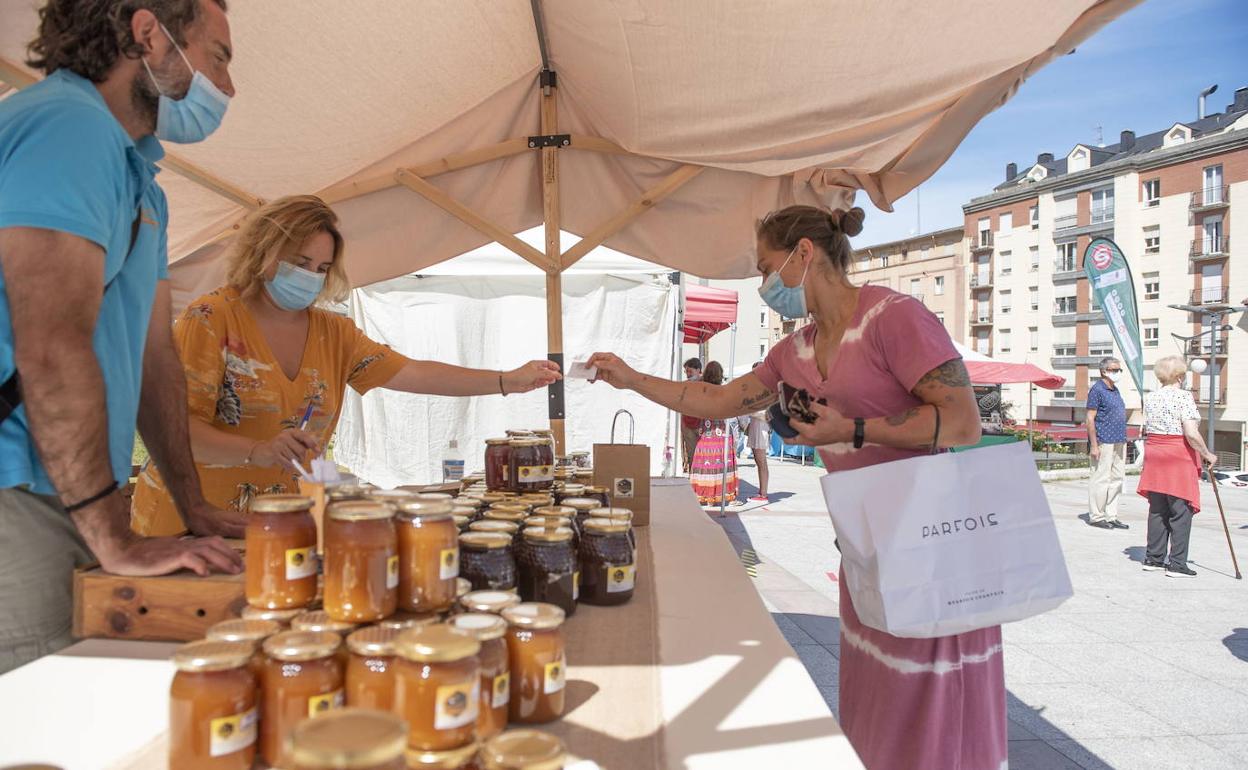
x=850 y=221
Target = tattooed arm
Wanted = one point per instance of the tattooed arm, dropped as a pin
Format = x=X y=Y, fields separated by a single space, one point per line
x=947 y=386
x=744 y=395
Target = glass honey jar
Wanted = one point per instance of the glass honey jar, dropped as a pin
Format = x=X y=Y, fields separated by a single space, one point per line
x=527 y=469
x=437 y=687
x=391 y=497
x=280 y=559
x=618 y=515
x=487 y=560
x=489 y=630
x=537 y=662
x=497 y=464
x=370 y=668
x=568 y=489
x=341 y=493
x=280 y=617
x=303 y=678
x=491 y=602
x=350 y=739
x=428 y=555
x=361 y=561
x=462 y=520
x=546 y=567
x=462 y=758
x=252 y=632
x=599 y=494
x=514 y=512
x=608 y=568
x=212 y=707
x=403 y=620
x=319 y=620
x=523 y=750
x=509 y=528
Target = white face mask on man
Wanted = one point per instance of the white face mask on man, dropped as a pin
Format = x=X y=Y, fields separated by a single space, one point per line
x=1114 y=376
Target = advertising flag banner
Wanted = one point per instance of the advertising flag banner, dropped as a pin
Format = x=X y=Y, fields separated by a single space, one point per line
x=1109 y=275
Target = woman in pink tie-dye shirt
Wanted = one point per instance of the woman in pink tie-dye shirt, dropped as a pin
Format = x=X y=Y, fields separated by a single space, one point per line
x=881 y=357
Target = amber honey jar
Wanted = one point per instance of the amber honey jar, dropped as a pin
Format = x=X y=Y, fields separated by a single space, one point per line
x=489 y=630
x=437 y=687
x=280 y=559
x=428 y=555
x=252 y=632
x=497 y=464
x=303 y=678
x=527 y=470
x=403 y=620
x=492 y=602
x=537 y=662
x=212 y=707
x=523 y=750
x=462 y=758
x=361 y=561
x=487 y=561
x=341 y=493
x=280 y=617
x=608 y=569
x=370 y=668
x=320 y=620
x=546 y=567
x=350 y=739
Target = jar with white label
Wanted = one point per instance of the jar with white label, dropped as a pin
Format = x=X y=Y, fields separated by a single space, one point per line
x=437 y=687
x=428 y=555
x=537 y=662
x=303 y=678
x=361 y=562
x=608 y=567
x=350 y=739
x=212 y=707
x=280 y=561
x=370 y=668
x=546 y=567
x=523 y=750
x=530 y=469
x=495 y=678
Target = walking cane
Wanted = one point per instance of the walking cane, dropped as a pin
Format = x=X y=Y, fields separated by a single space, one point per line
x=1218 y=496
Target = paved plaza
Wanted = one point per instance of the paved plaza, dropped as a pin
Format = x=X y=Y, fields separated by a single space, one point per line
x=1137 y=670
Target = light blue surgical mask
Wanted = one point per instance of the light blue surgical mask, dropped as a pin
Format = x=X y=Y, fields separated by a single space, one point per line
x=193 y=117
x=788 y=301
x=294 y=288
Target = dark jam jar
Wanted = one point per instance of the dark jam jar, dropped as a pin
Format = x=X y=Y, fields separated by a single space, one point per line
x=546 y=567
x=497 y=464
x=486 y=560
x=608 y=568
x=547 y=437
x=529 y=471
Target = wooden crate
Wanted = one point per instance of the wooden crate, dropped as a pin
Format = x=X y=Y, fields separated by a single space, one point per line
x=178 y=607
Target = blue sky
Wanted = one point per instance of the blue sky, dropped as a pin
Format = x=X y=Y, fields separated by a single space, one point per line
x=1141 y=72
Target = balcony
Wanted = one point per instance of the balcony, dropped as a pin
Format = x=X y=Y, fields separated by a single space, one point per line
x=1066 y=270
x=1210 y=198
x=1068 y=222
x=1204 y=348
x=1211 y=295
x=1104 y=216
x=1202 y=396
x=982 y=320
x=981 y=281
x=983 y=244
x=1210 y=248
x=1071 y=361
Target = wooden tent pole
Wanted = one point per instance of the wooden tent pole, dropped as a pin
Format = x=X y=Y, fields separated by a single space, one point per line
x=554 y=278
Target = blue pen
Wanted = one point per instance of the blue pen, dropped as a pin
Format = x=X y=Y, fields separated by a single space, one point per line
x=307 y=415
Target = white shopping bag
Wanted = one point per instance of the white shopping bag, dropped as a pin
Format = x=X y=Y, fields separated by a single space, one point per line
x=942 y=544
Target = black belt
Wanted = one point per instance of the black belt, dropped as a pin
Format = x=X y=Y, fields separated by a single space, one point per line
x=10 y=396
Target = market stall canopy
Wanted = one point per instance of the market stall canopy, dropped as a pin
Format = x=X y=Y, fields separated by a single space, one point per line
x=678 y=123
x=708 y=311
x=988 y=371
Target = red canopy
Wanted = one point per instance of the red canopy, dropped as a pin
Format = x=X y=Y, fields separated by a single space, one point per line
x=707 y=311
x=986 y=371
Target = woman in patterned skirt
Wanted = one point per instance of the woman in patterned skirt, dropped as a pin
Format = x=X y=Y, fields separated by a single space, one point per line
x=886 y=366
x=714 y=469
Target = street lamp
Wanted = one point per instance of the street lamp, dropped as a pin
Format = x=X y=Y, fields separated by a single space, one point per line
x=1214 y=316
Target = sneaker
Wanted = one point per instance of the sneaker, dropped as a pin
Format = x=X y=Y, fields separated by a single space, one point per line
x=1152 y=566
x=1119 y=525
x=1176 y=571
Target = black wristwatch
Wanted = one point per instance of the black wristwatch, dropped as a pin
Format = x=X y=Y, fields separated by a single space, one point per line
x=859 y=428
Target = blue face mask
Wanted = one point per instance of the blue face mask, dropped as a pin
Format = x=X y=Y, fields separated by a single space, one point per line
x=196 y=115
x=788 y=301
x=294 y=288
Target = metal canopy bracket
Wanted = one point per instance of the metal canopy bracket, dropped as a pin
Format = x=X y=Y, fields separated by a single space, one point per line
x=549 y=140
x=548 y=79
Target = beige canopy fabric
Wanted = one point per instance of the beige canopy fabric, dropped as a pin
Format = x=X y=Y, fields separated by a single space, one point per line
x=752 y=106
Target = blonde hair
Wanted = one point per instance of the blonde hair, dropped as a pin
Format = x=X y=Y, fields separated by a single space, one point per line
x=276 y=229
x=1170 y=369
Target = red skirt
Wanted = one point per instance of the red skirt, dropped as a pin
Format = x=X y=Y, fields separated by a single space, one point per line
x=1171 y=468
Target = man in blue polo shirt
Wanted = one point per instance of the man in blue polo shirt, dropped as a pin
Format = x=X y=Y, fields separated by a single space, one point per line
x=1107 y=446
x=85 y=313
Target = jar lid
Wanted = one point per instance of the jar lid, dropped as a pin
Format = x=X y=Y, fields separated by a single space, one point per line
x=462 y=587
x=461 y=520
x=548 y=534
x=494 y=525
x=547 y=522
x=348 y=492
x=488 y=601
x=467 y=502
x=480 y=625
x=243 y=630
x=467 y=511
x=573 y=489
x=498 y=497
x=506 y=514
x=319 y=620
x=360 y=510
x=582 y=504
x=433 y=497
x=393 y=496
x=555 y=510
x=403 y=620
x=537 y=501
x=278 y=616
x=513 y=505
x=374 y=640
x=604 y=526
x=537 y=615
x=452 y=759
x=436 y=644
x=527 y=441
x=425 y=509
x=302 y=645
x=612 y=513
x=486 y=540
x=348 y=739
x=543 y=432
x=497 y=441
x=212 y=655
x=523 y=750
x=281 y=504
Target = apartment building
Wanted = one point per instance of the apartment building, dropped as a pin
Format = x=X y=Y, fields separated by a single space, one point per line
x=1166 y=199
x=929 y=267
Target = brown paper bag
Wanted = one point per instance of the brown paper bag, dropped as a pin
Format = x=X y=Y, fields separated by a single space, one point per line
x=624 y=471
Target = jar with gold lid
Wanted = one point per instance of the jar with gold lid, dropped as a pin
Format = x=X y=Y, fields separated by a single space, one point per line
x=212 y=707
x=568 y=489
x=489 y=630
x=370 y=668
x=463 y=758
x=492 y=602
x=462 y=520
x=437 y=687
x=546 y=567
x=350 y=739
x=536 y=500
x=618 y=515
x=392 y=497
x=497 y=464
x=608 y=567
x=527 y=470
x=487 y=560
x=599 y=494
x=537 y=662
x=547 y=453
x=320 y=620
x=280 y=560
x=341 y=493
x=491 y=497
x=523 y=750
x=556 y=516
x=403 y=620
x=252 y=632
x=361 y=561
x=506 y=512
x=429 y=554
x=509 y=528
x=303 y=678
x=280 y=617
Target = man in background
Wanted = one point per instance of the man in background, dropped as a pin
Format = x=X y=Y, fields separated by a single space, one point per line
x=689 y=425
x=1107 y=446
